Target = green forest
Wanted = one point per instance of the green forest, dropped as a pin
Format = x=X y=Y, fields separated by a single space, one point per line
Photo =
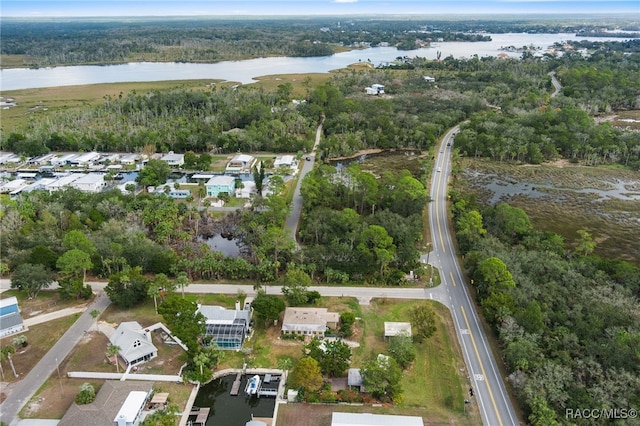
x=567 y=320
x=50 y=42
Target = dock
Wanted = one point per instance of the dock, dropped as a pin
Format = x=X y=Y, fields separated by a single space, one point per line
x=201 y=415
x=269 y=386
x=235 y=387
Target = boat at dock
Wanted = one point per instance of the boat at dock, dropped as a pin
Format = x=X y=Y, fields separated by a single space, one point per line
x=252 y=385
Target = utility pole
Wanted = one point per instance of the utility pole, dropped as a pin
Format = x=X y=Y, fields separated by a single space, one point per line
x=60 y=379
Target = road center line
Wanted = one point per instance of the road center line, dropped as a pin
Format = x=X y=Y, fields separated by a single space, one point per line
x=475 y=348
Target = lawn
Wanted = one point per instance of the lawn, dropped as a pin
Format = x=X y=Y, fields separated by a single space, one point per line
x=436 y=380
x=433 y=386
x=40 y=338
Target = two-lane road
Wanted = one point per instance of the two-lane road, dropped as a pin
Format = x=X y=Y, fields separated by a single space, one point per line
x=488 y=386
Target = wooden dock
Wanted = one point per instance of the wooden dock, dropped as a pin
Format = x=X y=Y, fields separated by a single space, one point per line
x=235 y=387
x=201 y=415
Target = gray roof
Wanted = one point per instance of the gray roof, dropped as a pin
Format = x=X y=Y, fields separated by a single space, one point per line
x=368 y=419
x=126 y=335
x=220 y=315
x=354 y=378
x=104 y=408
x=10 y=320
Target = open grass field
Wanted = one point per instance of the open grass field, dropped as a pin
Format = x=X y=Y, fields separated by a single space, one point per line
x=571 y=200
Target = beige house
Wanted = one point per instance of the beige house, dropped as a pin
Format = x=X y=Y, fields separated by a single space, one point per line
x=309 y=321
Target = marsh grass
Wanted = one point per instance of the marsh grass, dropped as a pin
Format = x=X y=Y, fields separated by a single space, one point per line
x=613 y=222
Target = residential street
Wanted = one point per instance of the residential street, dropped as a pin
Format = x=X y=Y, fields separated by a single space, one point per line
x=23 y=390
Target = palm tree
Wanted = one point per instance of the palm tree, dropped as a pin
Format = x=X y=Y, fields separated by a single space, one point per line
x=20 y=340
x=9 y=350
x=113 y=350
x=154 y=291
x=182 y=280
x=2 y=358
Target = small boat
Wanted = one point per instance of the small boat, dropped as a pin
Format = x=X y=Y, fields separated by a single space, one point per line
x=252 y=385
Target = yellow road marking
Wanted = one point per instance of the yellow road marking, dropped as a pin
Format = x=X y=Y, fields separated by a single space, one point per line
x=475 y=348
x=452 y=280
x=438 y=214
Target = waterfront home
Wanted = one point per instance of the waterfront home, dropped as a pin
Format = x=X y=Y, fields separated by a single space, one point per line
x=241 y=163
x=246 y=190
x=62 y=159
x=174 y=160
x=312 y=322
x=226 y=328
x=91 y=182
x=134 y=342
x=287 y=161
x=85 y=159
x=220 y=184
x=107 y=407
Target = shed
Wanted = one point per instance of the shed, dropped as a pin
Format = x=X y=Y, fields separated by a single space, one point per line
x=392 y=329
x=354 y=379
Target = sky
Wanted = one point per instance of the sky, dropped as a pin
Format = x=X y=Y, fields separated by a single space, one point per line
x=110 y=8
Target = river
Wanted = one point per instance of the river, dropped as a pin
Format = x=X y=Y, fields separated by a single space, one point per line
x=247 y=70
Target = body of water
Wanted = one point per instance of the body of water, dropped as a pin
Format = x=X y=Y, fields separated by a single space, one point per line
x=230 y=410
x=247 y=70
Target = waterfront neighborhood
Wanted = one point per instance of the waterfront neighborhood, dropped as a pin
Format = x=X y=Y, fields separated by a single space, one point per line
x=434 y=222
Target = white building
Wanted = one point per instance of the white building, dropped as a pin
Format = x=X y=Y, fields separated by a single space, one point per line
x=13 y=185
x=309 y=321
x=285 y=161
x=91 y=182
x=174 y=160
x=429 y=79
x=393 y=329
x=85 y=159
x=375 y=89
x=129 y=414
x=62 y=160
x=129 y=159
x=248 y=189
x=368 y=419
x=10 y=319
x=241 y=163
x=64 y=181
x=134 y=342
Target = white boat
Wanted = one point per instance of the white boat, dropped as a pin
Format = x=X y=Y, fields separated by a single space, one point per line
x=252 y=385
